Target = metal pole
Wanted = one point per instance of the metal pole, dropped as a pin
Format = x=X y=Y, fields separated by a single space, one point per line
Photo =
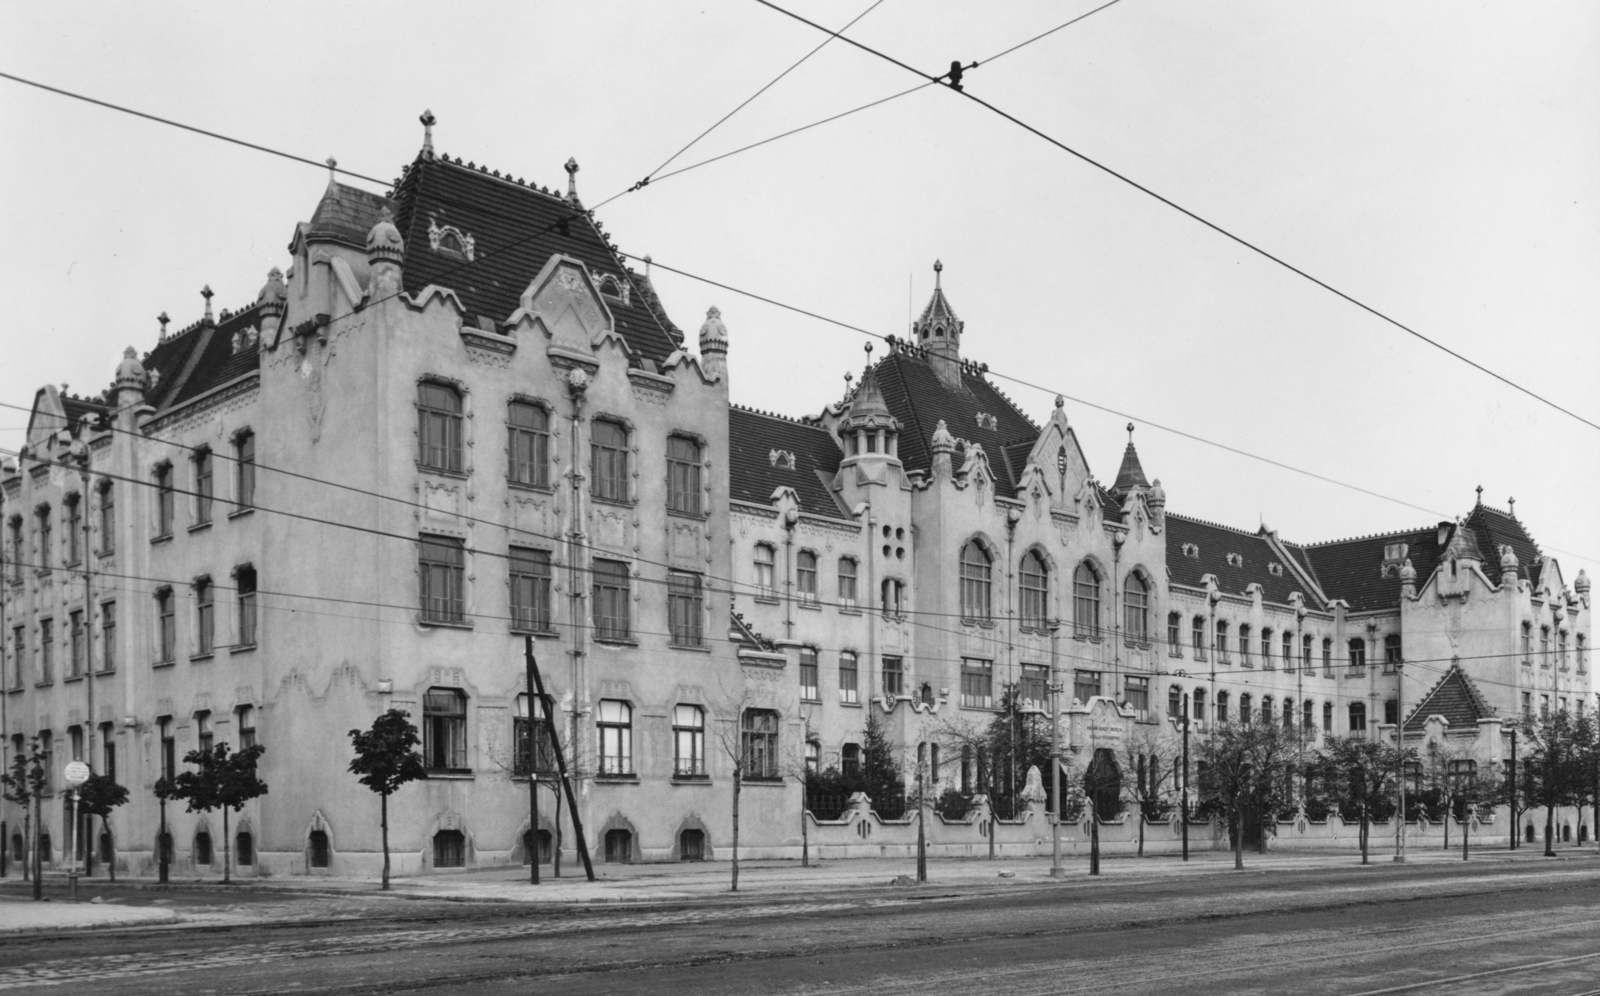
x=72 y=850
x=1515 y=821
x=1400 y=741
x=561 y=766
x=533 y=766
x=1055 y=752
x=922 y=820
x=1183 y=814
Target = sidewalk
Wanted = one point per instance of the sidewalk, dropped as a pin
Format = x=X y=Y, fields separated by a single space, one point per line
x=24 y=916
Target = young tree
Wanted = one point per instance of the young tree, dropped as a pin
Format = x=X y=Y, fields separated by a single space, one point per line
x=1367 y=770
x=1245 y=767
x=747 y=733
x=220 y=780
x=881 y=777
x=1152 y=760
x=387 y=758
x=98 y=797
x=1558 y=766
x=25 y=785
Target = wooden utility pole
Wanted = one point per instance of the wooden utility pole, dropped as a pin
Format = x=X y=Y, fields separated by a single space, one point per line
x=561 y=762
x=533 y=765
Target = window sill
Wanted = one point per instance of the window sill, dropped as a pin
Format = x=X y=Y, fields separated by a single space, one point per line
x=43 y=684
x=849 y=610
x=1085 y=638
x=544 y=489
x=809 y=603
x=615 y=502
x=200 y=526
x=442 y=624
x=105 y=554
x=105 y=672
x=680 y=513
x=240 y=513
x=981 y=623
x=691 y=779
x=850 y=705
x=768 y=781
x=766 y=599
x=521 y=631
x=1177 y=654
x=616 y=641
x=72 y=679
x=1136 y=644
x=694 y=648
x=16 y=691
x=629 y=779
x=167 y=538
x=163 y=663
x=811 y=700
x=459 y=475
x=197 y=658
x=243 y=648
x=450 y=774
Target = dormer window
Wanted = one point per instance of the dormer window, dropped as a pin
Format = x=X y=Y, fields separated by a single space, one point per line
x=450 y=241
x=614 y=288
x=1395 y=551
x=987 y=421
x=1235 y=560
x=1191 y=550
x=1275 y=569
x=781 y=459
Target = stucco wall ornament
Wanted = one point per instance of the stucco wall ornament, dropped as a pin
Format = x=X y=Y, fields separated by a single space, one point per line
x=451 y=239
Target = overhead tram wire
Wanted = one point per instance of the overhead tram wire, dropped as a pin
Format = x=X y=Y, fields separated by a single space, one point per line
x=748 y=100
x=943 y=81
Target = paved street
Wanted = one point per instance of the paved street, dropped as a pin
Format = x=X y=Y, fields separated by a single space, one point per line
x=1500 y=927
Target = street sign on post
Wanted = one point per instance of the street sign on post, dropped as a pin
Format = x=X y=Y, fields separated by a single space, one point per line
x=76 y=773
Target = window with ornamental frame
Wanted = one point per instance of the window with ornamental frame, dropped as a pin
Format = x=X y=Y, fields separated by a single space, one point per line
x=1357 y=649
x=759 y=734
x=1244 y=645
x=809 y=690
x=108 y=519
x=204 y=485
x=439 y=427
x=1085 y=685
x=244 y=583
x=688 y=741
x=684 y=461
x=1034 y=583
x=685 y=609
x=1392 y=657
x=528 y=444
x=47 y=551
x=166 y=626
x=244 y=470
x=805 y=575
x=530 y=589
x=615 y=723
x=441 y=565
x=977 y=683
x=74 y=527
x=1035 y=684
x=608 y=460
x=1221 y=638
x=1136 y=609
x=765 y=571
x=849 y=677
x=1136 y=693
x=612 y=594
x=75 y=663
x=1086 y=601
x=444 y=729
x=1175 y=633
x=976 y=584
x=1266 y=646
x=205 y=617
x=847 y=580
x=108 y=636
x=164 y=500
x=1197 y=637
x=531 y=735
x=894 y=677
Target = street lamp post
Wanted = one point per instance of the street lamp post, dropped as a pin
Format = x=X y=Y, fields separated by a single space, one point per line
x=1400 y=742
x=1055 y=752
x=1183 y=814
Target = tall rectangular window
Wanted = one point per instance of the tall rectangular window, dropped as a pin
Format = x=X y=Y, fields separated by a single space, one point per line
x=1527 y=643
x=1391 y=652
x=1034 y=582
x=611 y=593
x=444 y=729
x=849 y=677
x=17 y=554
x=688 y=741
x=1175 y=634
x=166 y=626
x=245 y=583
x=608 y=460
x=19 y=648
x=205 y=617
x=1220 y=636
x=529 y=429
x=1327 y=656
x=977 y=683
x=615 y=723
x=244 y=470
x=439 y=427
x=1085 y=685
x=1305 y=653
x=442 y=568
x=46 y=650
x=1086 y=601
x=805 y=576
x=765 y=571
x=685 y=609
x=760 y=746
x=1035 y=683
x=1358 y=653
x=1544 y=635
x=1197 y=637
x=202 y=729
x=203 y=486
x=683 y=475
x=169 y=747
x=47 y=554
x=894 y=677
x=75 y=663
x=530 y=589
x=74 y=527
x=247 y=727
x=108 y=519
x=1137 y=695
x=108 y=751
x=808 y=675
x=164 y=500
x=847 y=580
x=531 y=735
x=1244 y=645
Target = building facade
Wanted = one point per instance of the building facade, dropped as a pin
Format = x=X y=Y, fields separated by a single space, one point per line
x=458 y=422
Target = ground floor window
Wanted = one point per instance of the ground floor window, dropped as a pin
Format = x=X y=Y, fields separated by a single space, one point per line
x=164 y=848
x=619 y=847
x=245 y=849
x=546 y=845
x=449 y=849
x=319 y=849
x=692 y=845
x=202 y=848
x=108 y=851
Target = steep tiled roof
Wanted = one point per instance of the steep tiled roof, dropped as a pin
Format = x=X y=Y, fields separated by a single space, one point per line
x=79 y=409
x=168 y=361
x=1212 y=545
x=1353 y=569
x=1130 y=475
x=1455 y=698
x=919 y=399
x=347 y=214
x=1494 y=529
x=515 y=230
x=752 y=474
x=217 y=363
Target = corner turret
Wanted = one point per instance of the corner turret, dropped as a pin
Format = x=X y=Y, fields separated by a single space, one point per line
x=714 y=345
x=939 y=332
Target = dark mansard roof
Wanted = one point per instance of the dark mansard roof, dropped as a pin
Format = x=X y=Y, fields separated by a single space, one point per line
x=1196 y=548
x=760 y=445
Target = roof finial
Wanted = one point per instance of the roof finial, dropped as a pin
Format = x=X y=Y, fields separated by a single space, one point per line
x=207 y=293
x=333 y=164
x=1480 y=494
x=428 y=121
x=1130 y=433
x=938 y=268
x=1512 y=506
x=868 y=348
x=647 y=262
x=163 y=319
x=572 y=178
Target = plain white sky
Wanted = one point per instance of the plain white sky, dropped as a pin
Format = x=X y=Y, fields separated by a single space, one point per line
x=1438 y=160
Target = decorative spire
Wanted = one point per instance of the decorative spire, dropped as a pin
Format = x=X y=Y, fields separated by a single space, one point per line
x=383 y=241
x=428 y=121
x=207 y=293
x=938 y=268
x=572 y=180
x=163 y=319
x=1511 y=505
x=939 y=330
x=333 y=166
x=1131 y=474
x=1480 y=494
x=1463 y=544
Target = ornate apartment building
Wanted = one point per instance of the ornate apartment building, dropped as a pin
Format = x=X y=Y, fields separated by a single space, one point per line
x=458 y=420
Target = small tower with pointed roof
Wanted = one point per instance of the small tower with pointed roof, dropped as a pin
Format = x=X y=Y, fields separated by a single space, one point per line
x=939 y=332
x=1130 y=476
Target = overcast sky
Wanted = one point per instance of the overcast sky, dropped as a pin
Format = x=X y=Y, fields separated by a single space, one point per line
x=1438 y=161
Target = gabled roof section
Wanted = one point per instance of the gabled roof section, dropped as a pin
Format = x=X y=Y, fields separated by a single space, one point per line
x=1455 y=698
x=1356 y=570
x=758 y=461
x=745 y=636
x=515 y=229
x=217 y=362
x=919 y=399
x=346 y=214
x=1493 y=529
x=1196 y=548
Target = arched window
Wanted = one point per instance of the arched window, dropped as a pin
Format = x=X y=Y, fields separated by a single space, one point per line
x=1358 y=652
x=449 y=849
x=1222 y=707
x=1266 y=646
x=318 y=846
x=1222 y=641
x=976 y=604
x=1358 y=720
x=1244 y=645
x=1197 y=637
x=1266 y=710
x=1308 y=715
x=202 y=848
x=1200 y=704
x=1305 y=652
x=847 y=580
x=805 y=575
x=1245 y=715
x=1288 y=651
x=1086 y=601
x=1175 y=634
x=692 y=845
x=1136 y=608
x=1327 y=653
x=439 y=427
x=1327 y=717
x=765 y=582
x=1035 y=591
x=619 y=847
x=1288 y=714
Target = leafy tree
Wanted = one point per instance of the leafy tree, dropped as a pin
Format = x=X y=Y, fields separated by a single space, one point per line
x=220 y=780
x=1559 y=767
x=98 y=797
x=1152 y=761
x=1245 y=765
x=1366 y=770
x=25 y=785
x=387 y=758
